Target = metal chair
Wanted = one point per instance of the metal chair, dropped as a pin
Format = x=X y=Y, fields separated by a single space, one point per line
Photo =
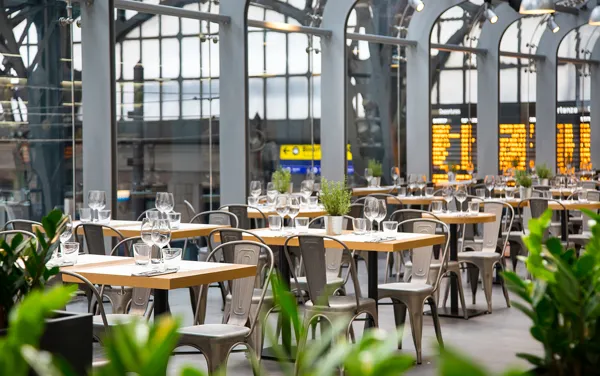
x=190 y=209
x=241 y=212
x=22 y=225
x=102 y=322
x=582 y=239
x=93 y=234
x=422 y=287
x=488 y=257
x=322 y=305
x=216 y=341
x=212 y=217
x=5 y=233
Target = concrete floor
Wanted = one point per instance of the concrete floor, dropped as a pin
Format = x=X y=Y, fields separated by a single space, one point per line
x=492 y=340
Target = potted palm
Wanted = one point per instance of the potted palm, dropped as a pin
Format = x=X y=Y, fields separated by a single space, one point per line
x=525 y=184
x=336 y=200
x=377 y=170
x=544 y=173
x=282 y=179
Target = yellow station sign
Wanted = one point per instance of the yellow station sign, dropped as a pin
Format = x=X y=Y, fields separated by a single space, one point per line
x=304 y=153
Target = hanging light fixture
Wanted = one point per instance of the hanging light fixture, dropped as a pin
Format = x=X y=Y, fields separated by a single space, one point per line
x=418 y=5
x=537 y=7
x=552 y=25
x=490 y=15
x=595 y=17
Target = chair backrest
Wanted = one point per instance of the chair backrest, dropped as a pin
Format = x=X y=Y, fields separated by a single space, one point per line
x=21 y=224
x=127 y=245
x=140 y=298
x=190 y=208
x=93 y=234
x=228 y=235
x=589 y=184
x=333 y=256
x=94 y=291
x=593 y=195
x=216 y=217
x=422 y=257
x=403 y=215
x=356 y=210
x=241 y=212
x=312 y=252
x=492 y=229
x=5 y=233
x=143 y=215
x=245 y=253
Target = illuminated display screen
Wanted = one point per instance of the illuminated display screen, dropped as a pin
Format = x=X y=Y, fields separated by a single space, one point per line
x=572 y=138
x=516 y=136
x=453 y=142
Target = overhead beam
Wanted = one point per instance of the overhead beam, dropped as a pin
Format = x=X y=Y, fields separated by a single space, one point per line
x=381 y=39
x=166 y=10
x=521 y=55
x=458 y=48
x=287 y=28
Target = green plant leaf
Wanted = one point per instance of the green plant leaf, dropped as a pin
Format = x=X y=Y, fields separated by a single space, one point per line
x=453 y=364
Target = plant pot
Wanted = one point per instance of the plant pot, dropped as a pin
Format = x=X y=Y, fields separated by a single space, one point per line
x=544 y=182
x=376 y=181
x=451 y=176
x=333 y=225
x=525 y=192
x=68 y=335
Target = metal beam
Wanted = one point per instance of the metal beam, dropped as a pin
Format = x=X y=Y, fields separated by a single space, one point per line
x=488 y=90
x=418 y=85
x=166 y=10
x=381 y=39
x=458 y=48
x=334 y=89
x=521 y=55
x=559 y=8
x=571 y=60
x=287 y=28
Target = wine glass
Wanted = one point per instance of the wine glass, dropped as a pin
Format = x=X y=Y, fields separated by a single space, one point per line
x=293 y=209
x=164 y=202
x=96 y=200
x=255 y=188
x=271 y=193
x=501 y=184
x=67 y=233
x=461 y=195
x=146 y=231
x=306 y=187
x=412 y=183
x=395 y=173
x=448 y=195
x=368 y=176
x=282 y=207
x=421 y=182
x=381 y=213
x=161 y=236
x=489 y=182
x=371 y=210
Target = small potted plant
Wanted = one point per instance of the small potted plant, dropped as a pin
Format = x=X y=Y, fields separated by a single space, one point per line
x=336 y=200
x=282 y=178
x=544 y=173
x=452 y=172
x=524 y=182
x=377 y=170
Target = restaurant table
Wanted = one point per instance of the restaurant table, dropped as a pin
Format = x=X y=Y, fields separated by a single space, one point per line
x=365 y=191
x=304 y=212
x=355 y=242
x=414 y=200
x=133 y=228
x=116 y=271
x=454 y=219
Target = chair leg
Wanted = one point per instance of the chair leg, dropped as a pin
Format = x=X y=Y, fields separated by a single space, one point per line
x=416 y=325
x=216 y=358
x=504 y=289
x=446 y=291
x=488 y=280
x=473 y=273
x=515 y=248
x=436 y=321
x=461 y=294
x=400 y=318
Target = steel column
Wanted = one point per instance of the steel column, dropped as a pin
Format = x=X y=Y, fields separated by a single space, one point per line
x=418 y=86
x=98 y=100
x=334 y=79
x=233 y=83
x=545 y=108
x=488 y=90
x=595 y=107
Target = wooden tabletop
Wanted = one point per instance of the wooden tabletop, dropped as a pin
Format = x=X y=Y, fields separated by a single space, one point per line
x=356 y=242
x=554 y=205
x=304 y=212
x=117 y=271
x=455 y=218
x=365 y=191
x=414 y=200
x=133 y=228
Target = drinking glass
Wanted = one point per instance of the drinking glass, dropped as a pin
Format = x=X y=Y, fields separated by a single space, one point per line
x=252 y=201
x=275 y=222
x=489 y=182
x=448 y=195
x=163 y=202
x=421 y=182
x=294 y=208
x=359 y=225
x=301 y=224
x=371 y=210
x=96 y=200
x=175 y=219
x=461 y=195
x=153 y=214
x=480 y=192
x=402 y=192
x=141 y=254
x=390 y=227
x=172 y=257
x=368 y=176
x=395 y=173
x=85 y=215
x=67 y=233
x=436 y=207
x=381 y=212
x=70 y=251
x=473 y=207
x=271 y=191
x=282 y=208
x=146 y=231
x=509 y=193
x=429 y=192
x=412 y=184
x=255 y=188
x=161 y=236
x=313 y=202
x=104 y=216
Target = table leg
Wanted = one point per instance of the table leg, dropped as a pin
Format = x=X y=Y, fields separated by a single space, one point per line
x=372 y=280
x=564 y=216
x=161 y=303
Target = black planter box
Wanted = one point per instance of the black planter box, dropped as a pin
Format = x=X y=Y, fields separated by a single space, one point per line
x=68 y=335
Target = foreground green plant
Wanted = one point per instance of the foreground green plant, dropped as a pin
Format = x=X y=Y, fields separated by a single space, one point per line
x=282 y=179
x=23 y=263
x=562 y=301
x=335 y=197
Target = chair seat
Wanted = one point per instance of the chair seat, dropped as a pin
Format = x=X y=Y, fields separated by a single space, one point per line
x=403 y=287
x=478 y=255
x=115 y=319
x=343 y=303
x=224 y=331
x=332 y=282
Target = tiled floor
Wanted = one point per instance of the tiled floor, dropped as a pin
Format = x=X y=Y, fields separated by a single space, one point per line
x=492 y=340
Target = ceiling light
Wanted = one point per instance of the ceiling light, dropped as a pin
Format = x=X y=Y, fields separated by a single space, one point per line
x=552 y=25
x=490 y=15
x=595 y=17
x=537 y=7
x=417 y=4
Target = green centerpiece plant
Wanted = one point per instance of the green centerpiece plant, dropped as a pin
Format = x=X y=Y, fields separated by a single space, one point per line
x=282 y=178
x=377 y=169
x=544 y=173
x=335 y=197
x=523 y=180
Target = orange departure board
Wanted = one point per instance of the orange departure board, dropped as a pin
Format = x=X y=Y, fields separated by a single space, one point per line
x=573 y=137
x=517 y=143
x=585 y=139
x=452 y=144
